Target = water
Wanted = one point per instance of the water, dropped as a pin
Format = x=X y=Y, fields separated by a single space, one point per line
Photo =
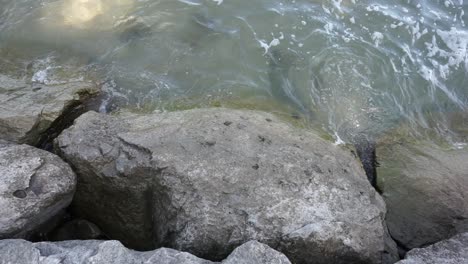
x=349 y=66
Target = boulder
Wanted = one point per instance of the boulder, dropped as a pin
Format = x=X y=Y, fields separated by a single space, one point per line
x=35 y=185
x=113 y=252
x=451 y=251
x=424 y=186
x=208 y=180
x=28 y=110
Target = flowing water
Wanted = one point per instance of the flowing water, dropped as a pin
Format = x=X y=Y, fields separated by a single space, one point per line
x=350 y=66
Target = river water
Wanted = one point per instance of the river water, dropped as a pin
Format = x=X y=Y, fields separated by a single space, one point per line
x=348 y=66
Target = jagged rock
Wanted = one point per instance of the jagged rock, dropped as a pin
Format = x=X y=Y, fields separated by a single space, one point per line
x=208 y=180
x=113 y=252
x=424 y=186
x=451 y=251
x=27 y=111
x=35 y=185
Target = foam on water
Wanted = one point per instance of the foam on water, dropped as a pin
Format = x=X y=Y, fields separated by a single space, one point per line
x=351 y=66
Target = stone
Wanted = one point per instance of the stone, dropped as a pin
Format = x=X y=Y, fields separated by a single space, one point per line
x=451 y=251
x=77 y=229
x=255 y=252
x=28 y=110
x=113 y=252
x=424 y=186
x=188 y=181
x=35 y=185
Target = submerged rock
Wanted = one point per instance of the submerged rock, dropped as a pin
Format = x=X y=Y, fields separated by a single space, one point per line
x=113 y=252
x=451 y=251
x=208 y=180
x=352 y=117
x=35 y=185
x=424 y=186
x=27 y=111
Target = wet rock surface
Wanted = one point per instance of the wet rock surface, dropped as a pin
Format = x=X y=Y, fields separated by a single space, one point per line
x=424 y=187
x=35 y=185
x=27 y=110
x=113 y=252
x=206 y=181
x=451 y=251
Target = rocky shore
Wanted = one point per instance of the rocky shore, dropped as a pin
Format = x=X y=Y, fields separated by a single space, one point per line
x=213 y=185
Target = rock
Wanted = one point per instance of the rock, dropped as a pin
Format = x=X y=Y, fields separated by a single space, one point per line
x=35 y=185
x=87 y=251
x=391 y=254
x=186 y=180
x=131 y=28
x=4 y=143
x=27 y=111
x=18 y=252
x=255 y=252
x=45 y=230
x=77 y=229
x=424 y=187
x=113 y=252
x=451 y=251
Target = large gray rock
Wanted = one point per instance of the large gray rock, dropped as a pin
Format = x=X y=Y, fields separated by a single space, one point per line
x=27 y=111
x=424 y=186
x=208 y=180
x=451 y=251
x=34 y=186
x=113 y=252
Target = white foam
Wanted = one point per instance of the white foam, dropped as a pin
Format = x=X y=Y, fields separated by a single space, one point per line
x=42 y=71
x=460 y=145
x=40 y=76
x=274 y=42
x=189 y=2
x=338 y=140
x=328 y=27
x=377 y=37
x=457 y=41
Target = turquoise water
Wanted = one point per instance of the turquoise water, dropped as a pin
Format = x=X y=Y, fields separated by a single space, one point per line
x=349 y=66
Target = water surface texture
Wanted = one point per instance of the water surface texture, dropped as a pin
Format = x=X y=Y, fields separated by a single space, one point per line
x=350 y=66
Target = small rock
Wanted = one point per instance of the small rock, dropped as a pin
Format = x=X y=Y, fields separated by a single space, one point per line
x=254 y=252
x=77 y=229
x=35 y=185
x=451 y=251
